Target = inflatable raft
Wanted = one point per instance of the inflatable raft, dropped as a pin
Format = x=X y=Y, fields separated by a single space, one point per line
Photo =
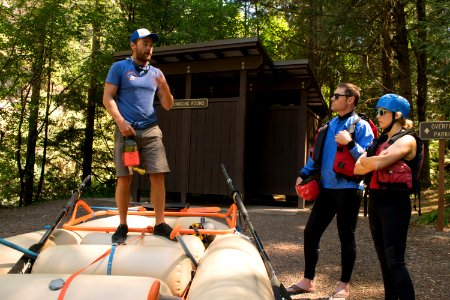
x=208 y=260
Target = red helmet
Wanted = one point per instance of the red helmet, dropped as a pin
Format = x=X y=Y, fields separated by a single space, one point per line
x=308 y=190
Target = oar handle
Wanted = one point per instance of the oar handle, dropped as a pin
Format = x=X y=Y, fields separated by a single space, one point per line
x=234 y=192
x=228 y=179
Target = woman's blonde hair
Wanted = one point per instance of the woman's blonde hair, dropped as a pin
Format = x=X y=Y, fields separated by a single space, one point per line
x=406 y=123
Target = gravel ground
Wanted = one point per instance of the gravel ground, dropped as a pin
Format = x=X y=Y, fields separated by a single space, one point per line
x=280 y=230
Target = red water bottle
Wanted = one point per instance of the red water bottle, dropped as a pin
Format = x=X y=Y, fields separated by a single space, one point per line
x=130 y=154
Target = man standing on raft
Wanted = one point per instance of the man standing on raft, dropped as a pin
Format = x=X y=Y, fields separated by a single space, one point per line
x=128 y=97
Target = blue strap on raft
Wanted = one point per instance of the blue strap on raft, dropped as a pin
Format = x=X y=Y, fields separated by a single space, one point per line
x=29 y=253
x=110 y=259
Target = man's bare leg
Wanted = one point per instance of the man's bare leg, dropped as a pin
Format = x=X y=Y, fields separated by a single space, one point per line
x=122 y=202
x=158 y=196
x=123 y=197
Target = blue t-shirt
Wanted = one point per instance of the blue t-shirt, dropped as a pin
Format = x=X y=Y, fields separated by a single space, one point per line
x=136 y=92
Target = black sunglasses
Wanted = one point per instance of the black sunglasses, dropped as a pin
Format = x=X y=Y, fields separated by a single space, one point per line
x=336 y=95
x=381 y=112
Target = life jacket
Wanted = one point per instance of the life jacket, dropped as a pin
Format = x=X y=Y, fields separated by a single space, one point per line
x=344 y=163
x=371 y=124
x=402 y=174
x=396 y=176
x=317 y=147
x=321 y=134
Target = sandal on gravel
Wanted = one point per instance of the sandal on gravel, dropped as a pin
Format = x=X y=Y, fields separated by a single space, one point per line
x=339 y=296
x=295 y=289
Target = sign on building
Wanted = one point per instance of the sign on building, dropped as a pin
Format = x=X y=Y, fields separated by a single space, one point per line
x=190 y=103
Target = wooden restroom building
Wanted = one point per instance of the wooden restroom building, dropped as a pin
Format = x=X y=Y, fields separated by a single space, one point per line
x=234 y=105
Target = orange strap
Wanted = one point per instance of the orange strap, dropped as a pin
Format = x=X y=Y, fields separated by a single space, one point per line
x=71 y=277
x=69 y=280
x=153 y=294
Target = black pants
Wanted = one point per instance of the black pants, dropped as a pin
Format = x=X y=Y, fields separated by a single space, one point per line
x=344 y=203
x=389 y=216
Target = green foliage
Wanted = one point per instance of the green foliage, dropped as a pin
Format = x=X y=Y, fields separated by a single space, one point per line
x=438 y=49
x=434 y=165
x=101 y=189
x=9 y=183
x=430 y=218
x=51 y=41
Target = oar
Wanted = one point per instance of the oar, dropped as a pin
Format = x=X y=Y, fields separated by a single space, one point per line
x=279 y=291
x=25 y=263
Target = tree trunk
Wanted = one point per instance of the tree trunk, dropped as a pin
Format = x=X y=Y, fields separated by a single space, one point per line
x=47 y=112
x=28 y=184
x=23 y=104
x=422 y=81
x=92 y=99
x=386 y=57
x=313 y=42
x=400 y=46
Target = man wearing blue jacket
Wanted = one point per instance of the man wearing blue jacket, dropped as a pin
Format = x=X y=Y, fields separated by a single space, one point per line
x=340 y=196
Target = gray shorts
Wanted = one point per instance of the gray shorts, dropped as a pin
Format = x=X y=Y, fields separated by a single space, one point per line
x=151 y=151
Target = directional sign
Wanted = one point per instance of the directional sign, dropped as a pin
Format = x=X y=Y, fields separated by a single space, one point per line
x=439 y=130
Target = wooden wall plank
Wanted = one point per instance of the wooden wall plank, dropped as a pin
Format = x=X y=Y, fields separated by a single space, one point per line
x=185 y=148
x=272 y=142
x=211 y=144
x=241 y=131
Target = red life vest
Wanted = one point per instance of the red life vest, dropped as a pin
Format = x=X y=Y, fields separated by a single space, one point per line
x=398 y=175
x=344 y=163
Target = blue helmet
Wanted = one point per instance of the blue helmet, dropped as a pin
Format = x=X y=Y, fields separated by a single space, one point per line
x=394 y=103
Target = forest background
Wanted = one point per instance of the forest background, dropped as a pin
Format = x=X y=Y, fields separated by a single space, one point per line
x=55 y=54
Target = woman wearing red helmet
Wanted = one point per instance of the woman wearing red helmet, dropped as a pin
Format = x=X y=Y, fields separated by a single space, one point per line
x=390 y=179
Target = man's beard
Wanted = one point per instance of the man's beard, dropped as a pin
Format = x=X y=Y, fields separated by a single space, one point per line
x=146 y=57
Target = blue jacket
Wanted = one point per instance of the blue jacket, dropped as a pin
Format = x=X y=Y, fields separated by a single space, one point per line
x=363 y=137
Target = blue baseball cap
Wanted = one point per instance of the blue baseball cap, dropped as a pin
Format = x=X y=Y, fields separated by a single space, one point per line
x=142 y=33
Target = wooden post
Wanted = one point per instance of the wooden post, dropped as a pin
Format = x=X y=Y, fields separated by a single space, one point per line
x=440 y=220
x=301 y=138
x=240 y=130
